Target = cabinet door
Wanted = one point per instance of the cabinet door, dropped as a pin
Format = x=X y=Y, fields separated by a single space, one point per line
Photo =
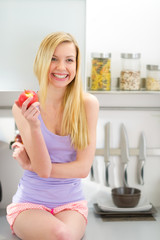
x=23 y=25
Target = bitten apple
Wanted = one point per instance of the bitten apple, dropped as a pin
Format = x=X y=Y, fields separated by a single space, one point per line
x=18 y=138
x=26 y=94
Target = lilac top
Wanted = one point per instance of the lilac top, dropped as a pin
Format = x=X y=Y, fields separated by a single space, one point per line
x=51 y=192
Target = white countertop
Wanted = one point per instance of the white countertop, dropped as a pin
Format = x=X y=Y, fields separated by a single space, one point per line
x=122 y=230
x=99 y=229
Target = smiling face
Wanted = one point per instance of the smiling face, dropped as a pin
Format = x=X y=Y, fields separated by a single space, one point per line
x=63 y=65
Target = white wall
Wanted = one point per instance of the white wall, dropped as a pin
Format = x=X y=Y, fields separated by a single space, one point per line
x=135 y=123
x=23 y=25
x=123 y=26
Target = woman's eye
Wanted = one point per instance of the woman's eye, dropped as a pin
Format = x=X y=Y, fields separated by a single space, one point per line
x=54 y=59
x=69 y=60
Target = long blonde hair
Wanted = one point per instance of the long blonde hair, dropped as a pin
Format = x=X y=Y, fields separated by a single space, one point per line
x=74 y=122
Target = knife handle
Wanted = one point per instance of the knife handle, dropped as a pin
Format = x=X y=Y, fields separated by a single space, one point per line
x=125 y=175
x=0 y=192
x=92 y=172
x=107 y=173
x=142 y=173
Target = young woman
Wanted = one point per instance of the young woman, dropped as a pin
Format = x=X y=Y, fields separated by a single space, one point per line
x=59 y=140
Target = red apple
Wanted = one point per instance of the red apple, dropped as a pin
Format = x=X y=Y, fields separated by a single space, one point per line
x=26 y=94
x=18 y=138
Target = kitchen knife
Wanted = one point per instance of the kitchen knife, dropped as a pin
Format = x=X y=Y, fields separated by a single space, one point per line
x=107 y=151
x=0 y=192
x=124 y=154
x=142 y=158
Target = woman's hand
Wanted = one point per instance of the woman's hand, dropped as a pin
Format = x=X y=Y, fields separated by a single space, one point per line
x=31 y=113
x=28 y=124
x=20 y=154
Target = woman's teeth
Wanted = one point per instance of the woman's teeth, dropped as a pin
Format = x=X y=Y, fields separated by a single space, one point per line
x=60 y=76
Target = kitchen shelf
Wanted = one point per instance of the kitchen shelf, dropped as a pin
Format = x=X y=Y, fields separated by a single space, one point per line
x=108 y=100
x=117 y=91
x=128 y=100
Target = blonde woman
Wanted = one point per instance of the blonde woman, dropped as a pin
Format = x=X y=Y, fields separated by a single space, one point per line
x=59 y=140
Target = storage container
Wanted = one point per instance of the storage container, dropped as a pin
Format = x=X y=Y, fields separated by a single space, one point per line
x=100 y=73
x=153 y=78
x=130 y=77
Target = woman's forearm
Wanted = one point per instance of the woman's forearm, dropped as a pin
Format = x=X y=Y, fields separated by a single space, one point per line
x=38 y=153
x=75 y=169
x=30 y=131
x=79 y=168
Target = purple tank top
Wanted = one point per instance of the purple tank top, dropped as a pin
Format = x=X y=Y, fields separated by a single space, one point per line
x=51 y=192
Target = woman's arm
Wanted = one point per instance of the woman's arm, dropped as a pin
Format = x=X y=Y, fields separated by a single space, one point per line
x=29 y=127
x=81 y=166
x=20 y=154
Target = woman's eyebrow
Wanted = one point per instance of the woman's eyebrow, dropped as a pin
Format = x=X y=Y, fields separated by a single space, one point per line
x=71 y=56
x=66 y=56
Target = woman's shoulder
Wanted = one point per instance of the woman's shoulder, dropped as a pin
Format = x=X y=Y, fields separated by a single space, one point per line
x=91 y=102
x=90 y=99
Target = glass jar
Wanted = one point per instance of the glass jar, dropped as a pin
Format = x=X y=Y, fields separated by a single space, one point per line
x=100 y=73
x=130 y=77
x=153 y=78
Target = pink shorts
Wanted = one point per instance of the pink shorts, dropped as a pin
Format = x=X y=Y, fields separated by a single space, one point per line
x=14 y=209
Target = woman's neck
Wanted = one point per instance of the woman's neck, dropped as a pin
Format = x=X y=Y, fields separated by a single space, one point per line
x=54 y=97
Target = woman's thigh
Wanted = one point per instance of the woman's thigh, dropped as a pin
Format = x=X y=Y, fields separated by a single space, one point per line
x=75 y=222
x=35 y=224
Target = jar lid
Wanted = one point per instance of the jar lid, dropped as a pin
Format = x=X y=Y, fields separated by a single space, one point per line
x=153 y=67
x=100 y=55
x=130 y=55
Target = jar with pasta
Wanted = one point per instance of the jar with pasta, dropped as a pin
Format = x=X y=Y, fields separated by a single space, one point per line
x=153 y=78
x=100 y=73
x=130 y=77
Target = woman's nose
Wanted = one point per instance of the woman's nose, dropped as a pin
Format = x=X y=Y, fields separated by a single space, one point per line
x=61 y=65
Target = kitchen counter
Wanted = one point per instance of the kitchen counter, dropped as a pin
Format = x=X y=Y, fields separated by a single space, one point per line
x=97 y=228
x=122 y=230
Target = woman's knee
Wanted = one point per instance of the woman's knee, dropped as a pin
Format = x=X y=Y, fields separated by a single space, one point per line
x=60 y=233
